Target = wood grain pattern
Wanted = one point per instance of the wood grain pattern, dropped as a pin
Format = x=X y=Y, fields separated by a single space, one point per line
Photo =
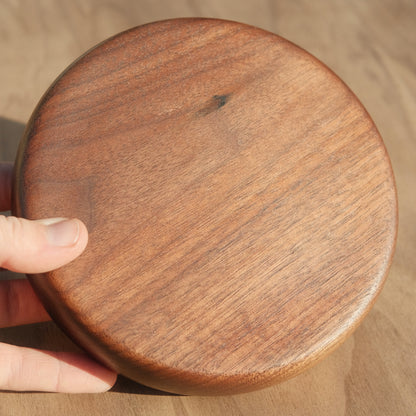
x=240 y=204
x=370 y=45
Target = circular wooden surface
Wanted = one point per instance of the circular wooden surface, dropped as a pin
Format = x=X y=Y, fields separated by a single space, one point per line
x=240 y=204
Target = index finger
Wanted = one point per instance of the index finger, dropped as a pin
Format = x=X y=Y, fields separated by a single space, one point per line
x=27 y=369
x=6 y=173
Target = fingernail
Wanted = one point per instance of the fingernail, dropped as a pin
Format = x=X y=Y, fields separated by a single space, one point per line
x=61 y=232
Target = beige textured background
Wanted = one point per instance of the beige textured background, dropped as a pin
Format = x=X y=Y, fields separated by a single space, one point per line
x=371 y=44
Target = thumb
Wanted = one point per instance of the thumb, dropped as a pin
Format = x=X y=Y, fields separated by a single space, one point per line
x=42 y=245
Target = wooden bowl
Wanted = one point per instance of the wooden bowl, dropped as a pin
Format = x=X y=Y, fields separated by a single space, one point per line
x=240 y=203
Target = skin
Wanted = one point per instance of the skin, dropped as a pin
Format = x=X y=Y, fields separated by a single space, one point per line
x=36 y=247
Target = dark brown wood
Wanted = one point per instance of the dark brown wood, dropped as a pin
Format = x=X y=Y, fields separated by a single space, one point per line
x=240 y=203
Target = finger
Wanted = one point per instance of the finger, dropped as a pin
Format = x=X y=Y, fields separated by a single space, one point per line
x=39 y=246
x=19 y=304
x=26 y=369
x=6 y=172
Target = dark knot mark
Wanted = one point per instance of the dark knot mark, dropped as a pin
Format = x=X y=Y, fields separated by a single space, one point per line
x=215 y=103
x=221 y=100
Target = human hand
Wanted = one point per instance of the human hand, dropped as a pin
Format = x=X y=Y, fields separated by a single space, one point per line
x=36 y=247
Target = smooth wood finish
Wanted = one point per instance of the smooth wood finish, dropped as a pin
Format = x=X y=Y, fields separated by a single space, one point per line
x=240 y=204
x=370 y=45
